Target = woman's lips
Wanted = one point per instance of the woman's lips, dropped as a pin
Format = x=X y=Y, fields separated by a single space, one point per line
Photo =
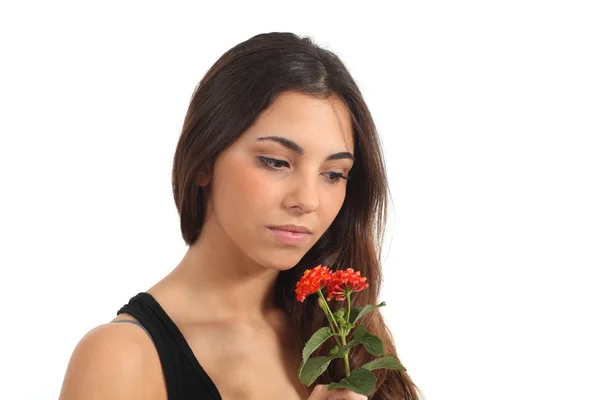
x=288 y=237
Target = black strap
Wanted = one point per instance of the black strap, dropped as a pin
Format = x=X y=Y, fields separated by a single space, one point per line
x=165 y=333
x=136 y=323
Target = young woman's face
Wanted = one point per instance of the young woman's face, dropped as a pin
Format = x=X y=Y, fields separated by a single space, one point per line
x=258 y=183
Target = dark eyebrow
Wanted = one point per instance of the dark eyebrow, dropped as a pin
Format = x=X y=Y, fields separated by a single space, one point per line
x=295 y=147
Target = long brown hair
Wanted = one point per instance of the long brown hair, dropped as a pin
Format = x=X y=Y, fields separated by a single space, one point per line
x=235 y=90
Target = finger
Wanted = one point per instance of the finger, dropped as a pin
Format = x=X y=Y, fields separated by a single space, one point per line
x=345 y=394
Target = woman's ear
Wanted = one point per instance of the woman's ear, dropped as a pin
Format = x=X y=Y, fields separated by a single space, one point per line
x=203 y=178
x=203 y=181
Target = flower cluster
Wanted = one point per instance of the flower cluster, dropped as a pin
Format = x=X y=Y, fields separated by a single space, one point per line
x=337 y=283
x=340 y=285
x=312 y=280
x=343 y=281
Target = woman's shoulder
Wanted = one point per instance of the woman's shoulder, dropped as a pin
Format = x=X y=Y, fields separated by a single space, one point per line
x=114 y=360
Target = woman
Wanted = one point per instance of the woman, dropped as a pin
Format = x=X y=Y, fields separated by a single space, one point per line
x=277 y=138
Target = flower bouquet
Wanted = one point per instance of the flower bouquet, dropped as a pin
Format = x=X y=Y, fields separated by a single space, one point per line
x=339 y=286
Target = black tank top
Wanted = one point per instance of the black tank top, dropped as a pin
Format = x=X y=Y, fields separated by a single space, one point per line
x=184 y=376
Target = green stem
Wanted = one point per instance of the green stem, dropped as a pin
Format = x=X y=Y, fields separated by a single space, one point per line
x=346 y=362
x=331 y=328
x=336 y=331
x=348 y=313
x=331 y=318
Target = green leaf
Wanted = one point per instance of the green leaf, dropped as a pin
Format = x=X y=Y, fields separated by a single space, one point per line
x=360 y=381
x=317 y=339
x=334 y=352
x=345 y=327
x=346 y=347
x=358 y=312
x=313 y=368
x=372 y=343
x=389 y=362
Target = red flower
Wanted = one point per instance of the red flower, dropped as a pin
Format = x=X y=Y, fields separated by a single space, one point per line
x=347 y=279
x=312 y=281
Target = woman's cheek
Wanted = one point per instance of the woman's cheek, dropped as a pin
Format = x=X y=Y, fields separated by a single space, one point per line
x=332 y=205
x=255 y=187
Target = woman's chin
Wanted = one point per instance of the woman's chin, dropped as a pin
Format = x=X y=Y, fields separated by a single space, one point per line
x=281 y=265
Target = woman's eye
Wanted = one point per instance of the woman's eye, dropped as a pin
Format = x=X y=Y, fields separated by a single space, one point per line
x=275 y=165
x=272 y=163
x=334 y=177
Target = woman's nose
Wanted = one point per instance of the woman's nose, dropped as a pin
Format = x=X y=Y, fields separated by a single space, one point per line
x=303 y=194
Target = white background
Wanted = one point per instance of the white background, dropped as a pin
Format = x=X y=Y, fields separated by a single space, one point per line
x=489 y=113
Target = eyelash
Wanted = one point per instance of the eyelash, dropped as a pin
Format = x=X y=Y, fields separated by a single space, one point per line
x=265 y=162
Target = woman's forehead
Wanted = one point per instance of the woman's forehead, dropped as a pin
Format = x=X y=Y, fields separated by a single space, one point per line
x=306 y=120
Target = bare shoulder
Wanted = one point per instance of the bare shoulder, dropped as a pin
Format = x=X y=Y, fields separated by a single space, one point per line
x=114 y=361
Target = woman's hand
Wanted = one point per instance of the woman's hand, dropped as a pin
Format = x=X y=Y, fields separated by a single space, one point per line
x=321 y=393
